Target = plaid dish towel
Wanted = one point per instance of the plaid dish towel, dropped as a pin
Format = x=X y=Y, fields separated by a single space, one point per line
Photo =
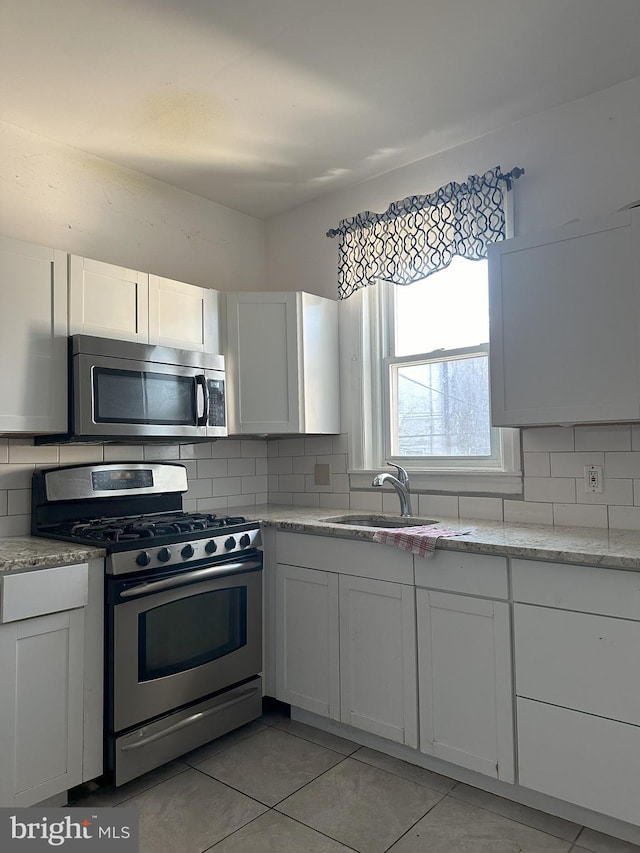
x=417 y=540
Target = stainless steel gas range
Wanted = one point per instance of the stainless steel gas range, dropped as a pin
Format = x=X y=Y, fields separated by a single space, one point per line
x=183 y=594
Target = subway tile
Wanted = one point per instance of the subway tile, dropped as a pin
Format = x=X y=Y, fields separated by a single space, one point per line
x=202 y=450
x=273 y=483
x=191 y=467
x=487 y=508
x=272 y=447
x=311 y=486
x=262 y=466
x=573 y=464
x=189 y=504
x=292 y=482
x=18 y=501
x=16 y=476
x=438 y=505
x=123 y=453
x=280 y=465
x=291 y=447
x=15 y=525
x=4 y=450
x=622 y=464
x=226 y=448
x=334 y=501
x=337 y=462
x=580 y=515
x=603 y=437
x=225 y=486
x=550 y=489
x=537 y=464
x=306 y=499
x=262 y=497
x=340 y=482
x=241 y=467
x=162 y=452
x=528 y=512
x=23 y=450
x=253 y=447
x=212 y=468
x=547 y=439
x=236 y=501
x=365 y=501
x=4 y=502
x=391 y=502
x=635 y=437
x=318 y=444
x=624 y=517
x=211 y=504
x=616 y=492
x=340 y=443
x=70 y=454
x=253 y=484
x=285 y=498
x=200 y=488
x=303 y=464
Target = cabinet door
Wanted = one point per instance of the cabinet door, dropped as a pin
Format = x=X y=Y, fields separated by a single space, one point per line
x=378 y=658
x=262 y=333
x=41 y=707
x=464 y=671
x=108 y=301
x=33 y=338
x=564 y=324
x=307 y=660
x=182 y=315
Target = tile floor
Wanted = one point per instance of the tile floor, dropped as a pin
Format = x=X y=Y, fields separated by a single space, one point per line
x=279 y=786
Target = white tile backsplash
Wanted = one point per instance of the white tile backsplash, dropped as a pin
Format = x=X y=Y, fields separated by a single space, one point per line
x=528 y=512
x=550 y=489
x=580 y=515
x=537 y=464
x=435 y=506
x=547 y=439
x=487 y=508
x=605 y=437
x=622 y=464
x=573 y=464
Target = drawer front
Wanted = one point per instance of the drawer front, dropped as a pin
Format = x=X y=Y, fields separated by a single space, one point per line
x=579 y=758
x=345 y=556
x=459 y=571
x=41 y=591
x=607 y=591
x=562 y=656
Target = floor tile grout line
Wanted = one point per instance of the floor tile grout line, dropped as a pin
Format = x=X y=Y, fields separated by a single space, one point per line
x=400 y=776
x=315 y=829
x=430 y=809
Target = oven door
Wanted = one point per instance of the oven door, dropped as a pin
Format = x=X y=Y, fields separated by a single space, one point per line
x=181 y=638
x=131 y=398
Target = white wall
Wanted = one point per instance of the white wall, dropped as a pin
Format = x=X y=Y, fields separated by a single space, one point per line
x=59 y=196
x=581 y=160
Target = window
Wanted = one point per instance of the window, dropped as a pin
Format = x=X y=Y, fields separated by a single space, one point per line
x=436 y=373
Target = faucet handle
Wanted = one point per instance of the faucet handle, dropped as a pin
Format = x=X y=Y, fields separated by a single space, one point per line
x=402 y=474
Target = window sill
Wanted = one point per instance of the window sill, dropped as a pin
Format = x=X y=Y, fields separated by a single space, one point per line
x=448 y=482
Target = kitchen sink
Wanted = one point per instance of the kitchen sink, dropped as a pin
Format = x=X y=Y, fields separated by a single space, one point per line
x=379 y=520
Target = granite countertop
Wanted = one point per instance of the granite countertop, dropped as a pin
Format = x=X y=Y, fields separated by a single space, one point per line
x=614 y=549
x=33 y=552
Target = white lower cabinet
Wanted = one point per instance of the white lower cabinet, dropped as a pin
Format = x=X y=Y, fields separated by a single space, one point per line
x=345 y=649
x=42 y=664
x=464 y=672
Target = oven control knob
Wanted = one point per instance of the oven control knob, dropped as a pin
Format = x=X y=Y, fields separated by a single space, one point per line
x=143 y=558
x=230 y=543
x=164 y=555
x=187 y=551
x=211 y=546
x=245 y=540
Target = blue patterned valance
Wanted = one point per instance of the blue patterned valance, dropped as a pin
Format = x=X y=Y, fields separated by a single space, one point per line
x=422 y=233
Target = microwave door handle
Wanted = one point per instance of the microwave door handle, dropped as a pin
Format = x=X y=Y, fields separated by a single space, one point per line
x=203 y=419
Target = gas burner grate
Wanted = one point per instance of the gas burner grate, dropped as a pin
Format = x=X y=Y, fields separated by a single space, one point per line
x=133 y=528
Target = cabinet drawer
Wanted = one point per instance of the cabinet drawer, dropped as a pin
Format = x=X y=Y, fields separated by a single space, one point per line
x=459 y=571
x=607 y=591
x=579 y=758
x=345 y=556
x=561 y=656
x=40 y=591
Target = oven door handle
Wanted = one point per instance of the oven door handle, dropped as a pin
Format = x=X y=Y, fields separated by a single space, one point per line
x=187 y=577
x=189 y=721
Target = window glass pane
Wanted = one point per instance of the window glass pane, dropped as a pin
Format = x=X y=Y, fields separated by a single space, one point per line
x=443 y=408
x=447 y=310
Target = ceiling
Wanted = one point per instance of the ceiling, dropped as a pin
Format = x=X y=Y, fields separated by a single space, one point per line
x=262 y=105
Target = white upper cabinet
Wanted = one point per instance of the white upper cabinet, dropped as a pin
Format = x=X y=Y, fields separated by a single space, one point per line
x=564 y=310
x=114 y=302
x=183 y=315
x=108 y=301
x=282 y=358
x=33 y=338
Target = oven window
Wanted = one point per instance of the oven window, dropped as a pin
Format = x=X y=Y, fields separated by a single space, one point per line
x=141 y=397
x=191 y=631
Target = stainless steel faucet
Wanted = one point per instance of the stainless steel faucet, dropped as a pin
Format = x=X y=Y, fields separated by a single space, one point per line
x=400 y=484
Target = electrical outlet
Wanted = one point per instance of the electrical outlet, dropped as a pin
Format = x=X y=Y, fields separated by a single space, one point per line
x=593 y=478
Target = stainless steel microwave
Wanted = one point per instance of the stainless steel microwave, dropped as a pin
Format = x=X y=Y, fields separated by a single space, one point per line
x=121 y=391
